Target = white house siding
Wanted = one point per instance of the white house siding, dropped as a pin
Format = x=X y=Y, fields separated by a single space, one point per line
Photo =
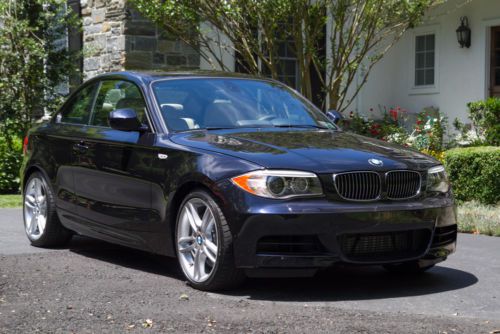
x=462 y=75
x=220 y=45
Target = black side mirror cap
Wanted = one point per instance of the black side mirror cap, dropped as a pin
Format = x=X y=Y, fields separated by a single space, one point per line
x=334 y=116
x=125 y=120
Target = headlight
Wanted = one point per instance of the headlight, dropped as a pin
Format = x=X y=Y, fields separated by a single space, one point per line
x=279 y=183
x=437 y=180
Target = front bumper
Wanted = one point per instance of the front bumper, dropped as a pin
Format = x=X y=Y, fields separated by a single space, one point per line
x=319 y=233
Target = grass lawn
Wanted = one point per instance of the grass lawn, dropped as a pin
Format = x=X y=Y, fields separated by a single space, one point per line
x=10 y=201
x=473 y=217
x=477 y=218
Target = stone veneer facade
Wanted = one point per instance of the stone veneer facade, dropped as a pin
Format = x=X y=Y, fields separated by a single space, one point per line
x=116 y=38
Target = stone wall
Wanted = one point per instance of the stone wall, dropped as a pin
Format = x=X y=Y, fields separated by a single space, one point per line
x=103 y=36
x=116 y=38
x=148 y=47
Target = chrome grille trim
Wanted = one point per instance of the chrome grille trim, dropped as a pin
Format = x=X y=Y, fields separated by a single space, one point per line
x=402 y=184
x=346 y=185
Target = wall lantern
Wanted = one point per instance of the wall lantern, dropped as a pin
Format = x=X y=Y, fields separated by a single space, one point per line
x=463 y=32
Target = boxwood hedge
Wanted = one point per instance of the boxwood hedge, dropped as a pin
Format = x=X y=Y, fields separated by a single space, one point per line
x=474 y=173
x=10 y=163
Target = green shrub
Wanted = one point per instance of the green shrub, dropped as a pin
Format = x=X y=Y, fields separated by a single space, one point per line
x=10 y=163
x=485 y=115
x=474 y=173
x=32 y=62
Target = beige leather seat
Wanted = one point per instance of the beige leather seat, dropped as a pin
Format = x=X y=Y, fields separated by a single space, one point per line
x=176 y=118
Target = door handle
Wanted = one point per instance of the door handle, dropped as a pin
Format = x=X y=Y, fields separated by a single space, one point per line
x=80 y=147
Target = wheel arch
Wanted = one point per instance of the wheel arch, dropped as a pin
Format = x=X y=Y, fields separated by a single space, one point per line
x=29 y=171
x=176 y=199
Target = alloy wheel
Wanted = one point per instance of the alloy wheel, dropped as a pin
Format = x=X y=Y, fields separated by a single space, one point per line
x=197 y=240
x=35 y=208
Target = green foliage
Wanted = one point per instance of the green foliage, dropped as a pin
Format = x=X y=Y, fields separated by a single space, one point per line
x=467 y=135
x=357 y=124
x=10 y=162
x=429 y=131
x=33 y=62
x=256 y=30
x=474 y=173
x=385 y=129
x=485 y=116
x=427 y=135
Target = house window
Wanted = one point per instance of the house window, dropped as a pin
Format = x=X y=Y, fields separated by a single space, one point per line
x=425 y=47
x=288 y=66
x=495 y=62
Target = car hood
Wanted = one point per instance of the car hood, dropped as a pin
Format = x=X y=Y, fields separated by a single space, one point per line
x=319 y=151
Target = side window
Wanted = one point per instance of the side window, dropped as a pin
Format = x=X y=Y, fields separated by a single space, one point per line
x=78 y=110
x=117 y=94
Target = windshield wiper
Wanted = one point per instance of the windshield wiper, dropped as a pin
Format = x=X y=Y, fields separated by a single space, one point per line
x=259 y=126
x=218 y=128
x=204 y=129
x=301 y=126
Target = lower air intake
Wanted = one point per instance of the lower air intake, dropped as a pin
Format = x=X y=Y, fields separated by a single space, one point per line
x=380 y=247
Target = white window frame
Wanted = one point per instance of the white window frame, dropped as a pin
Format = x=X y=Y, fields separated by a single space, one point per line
x=427 y=89
x=297 y=74
x=485 y=44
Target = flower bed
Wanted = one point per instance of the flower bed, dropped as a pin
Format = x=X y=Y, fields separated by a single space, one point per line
x=426 y=134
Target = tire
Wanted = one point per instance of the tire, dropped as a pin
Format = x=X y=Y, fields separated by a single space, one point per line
x=40 y=208
x=195 y=248
x=412 y=267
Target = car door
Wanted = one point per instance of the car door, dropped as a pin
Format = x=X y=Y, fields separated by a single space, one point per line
x=112 y=179
x=66 y=130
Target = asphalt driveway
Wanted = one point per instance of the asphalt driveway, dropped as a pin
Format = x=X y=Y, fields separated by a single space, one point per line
x=91 y=286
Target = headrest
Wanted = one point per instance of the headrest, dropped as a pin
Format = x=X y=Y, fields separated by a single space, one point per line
x=174 y=106
x=130 y=103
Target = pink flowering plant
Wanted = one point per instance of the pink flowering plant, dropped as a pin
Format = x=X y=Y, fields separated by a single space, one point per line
x=429 y=131
x=426 y=134
x=389 y=128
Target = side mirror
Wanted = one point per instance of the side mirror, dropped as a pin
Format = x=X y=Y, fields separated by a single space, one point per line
x=334 y=116
x=125 y=120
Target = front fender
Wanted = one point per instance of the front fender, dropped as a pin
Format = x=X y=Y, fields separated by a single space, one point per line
x=183 y=171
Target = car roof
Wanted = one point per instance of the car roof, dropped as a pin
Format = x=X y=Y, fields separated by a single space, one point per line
x=149 y=76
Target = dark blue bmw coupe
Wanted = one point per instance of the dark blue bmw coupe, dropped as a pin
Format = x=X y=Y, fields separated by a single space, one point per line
x=232 y=175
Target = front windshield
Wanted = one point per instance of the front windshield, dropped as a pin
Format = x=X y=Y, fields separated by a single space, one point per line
x=228 y=103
